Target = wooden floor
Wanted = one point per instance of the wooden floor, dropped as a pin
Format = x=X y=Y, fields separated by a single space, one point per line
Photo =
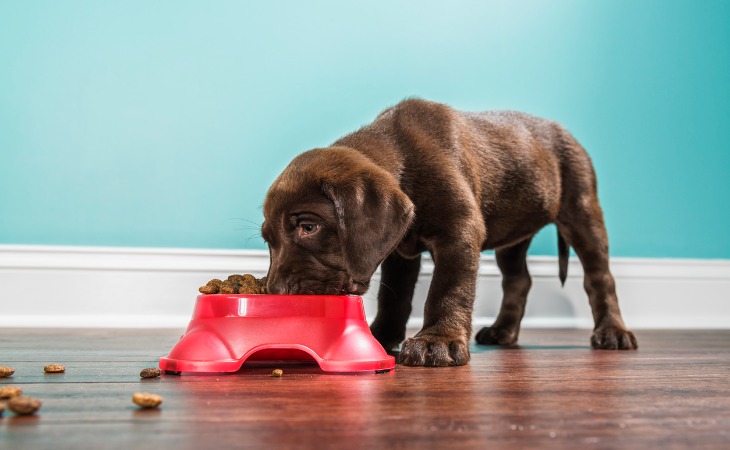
x=551 y=392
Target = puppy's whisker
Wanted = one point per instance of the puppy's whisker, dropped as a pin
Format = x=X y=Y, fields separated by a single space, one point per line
x=252 y=222
x=251 y=237
x=369 y=297
x=389 y=288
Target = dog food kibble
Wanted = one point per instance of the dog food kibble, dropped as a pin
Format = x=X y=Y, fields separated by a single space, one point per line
x=213 y=287
x=147 y=400
x=24 y=406
x=251 y=285
x=6 y=371
x=8 y=391
x=236 y=284
x=54 y=368
x=277 y=373
x=150 y=372
x=228 y=288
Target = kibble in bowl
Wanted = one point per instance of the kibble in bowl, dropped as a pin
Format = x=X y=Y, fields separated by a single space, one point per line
x=236 y=284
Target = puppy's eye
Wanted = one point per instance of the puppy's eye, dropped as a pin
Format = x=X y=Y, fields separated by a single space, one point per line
x=307 y=228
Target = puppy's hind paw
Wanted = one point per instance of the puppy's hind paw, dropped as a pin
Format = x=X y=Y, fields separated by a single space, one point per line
x=613 y=338
x=497 y=336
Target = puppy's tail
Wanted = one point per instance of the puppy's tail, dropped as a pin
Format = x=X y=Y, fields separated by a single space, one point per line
x=563 y=254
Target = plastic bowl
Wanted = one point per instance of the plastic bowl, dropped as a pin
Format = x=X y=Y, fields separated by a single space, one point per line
x=228 y=330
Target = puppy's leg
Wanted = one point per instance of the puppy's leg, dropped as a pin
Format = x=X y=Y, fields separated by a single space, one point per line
x=516 y=283
x=444 y=338
x=583 y=228
x=397 y=282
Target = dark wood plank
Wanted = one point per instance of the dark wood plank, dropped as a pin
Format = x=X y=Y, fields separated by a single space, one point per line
x=551 y=392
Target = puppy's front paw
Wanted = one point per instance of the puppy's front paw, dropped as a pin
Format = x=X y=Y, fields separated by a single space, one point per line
x=387 y=337
x=613 y=338
x=497 y=336
x=434 y=350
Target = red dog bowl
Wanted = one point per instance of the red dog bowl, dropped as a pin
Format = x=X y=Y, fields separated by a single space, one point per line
x=228 y=330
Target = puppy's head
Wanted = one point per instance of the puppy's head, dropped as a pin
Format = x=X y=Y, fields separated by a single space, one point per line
x=329 y=219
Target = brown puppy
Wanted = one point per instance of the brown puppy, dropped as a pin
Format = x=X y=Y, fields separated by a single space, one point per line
x=424 y=177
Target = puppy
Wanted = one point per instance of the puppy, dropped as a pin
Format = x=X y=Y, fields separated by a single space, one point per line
x=425 y=177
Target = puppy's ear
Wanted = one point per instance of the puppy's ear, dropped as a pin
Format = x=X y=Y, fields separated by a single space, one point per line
x=373 y=216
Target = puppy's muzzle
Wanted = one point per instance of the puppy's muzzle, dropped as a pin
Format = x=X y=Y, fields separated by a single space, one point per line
x=292 y=285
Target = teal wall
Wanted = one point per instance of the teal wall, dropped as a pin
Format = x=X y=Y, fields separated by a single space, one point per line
x=163 y=123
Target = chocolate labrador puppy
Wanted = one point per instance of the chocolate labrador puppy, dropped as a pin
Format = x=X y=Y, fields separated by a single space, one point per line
x=425 y=177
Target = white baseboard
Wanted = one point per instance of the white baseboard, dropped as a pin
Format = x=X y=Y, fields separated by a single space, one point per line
x=42 y=286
